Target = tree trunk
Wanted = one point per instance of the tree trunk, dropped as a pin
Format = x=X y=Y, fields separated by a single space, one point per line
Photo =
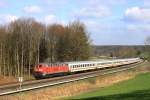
x=22 y=53
x=1 y=58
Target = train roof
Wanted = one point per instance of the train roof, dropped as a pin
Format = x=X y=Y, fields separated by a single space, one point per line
x=97 y=61
x=90 y=62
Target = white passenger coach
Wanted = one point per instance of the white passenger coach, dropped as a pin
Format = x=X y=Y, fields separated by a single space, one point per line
x=88 y=65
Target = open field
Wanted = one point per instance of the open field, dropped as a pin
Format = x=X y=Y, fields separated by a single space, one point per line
x=137 y=88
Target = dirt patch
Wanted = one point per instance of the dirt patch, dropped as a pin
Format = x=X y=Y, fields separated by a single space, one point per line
x=144 y=68
x=11 y=79
x=6 y=80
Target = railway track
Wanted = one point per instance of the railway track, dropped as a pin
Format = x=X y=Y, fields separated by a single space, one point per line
x=36 y=84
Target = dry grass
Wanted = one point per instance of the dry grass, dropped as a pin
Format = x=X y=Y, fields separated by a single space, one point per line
x=109 y=80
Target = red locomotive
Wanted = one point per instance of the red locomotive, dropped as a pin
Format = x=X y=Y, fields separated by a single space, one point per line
x=45 y=70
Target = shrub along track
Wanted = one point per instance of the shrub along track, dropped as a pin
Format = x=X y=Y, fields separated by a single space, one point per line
x=36 y=84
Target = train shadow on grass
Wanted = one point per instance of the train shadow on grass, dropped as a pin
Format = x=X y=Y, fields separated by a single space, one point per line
x=136 y=95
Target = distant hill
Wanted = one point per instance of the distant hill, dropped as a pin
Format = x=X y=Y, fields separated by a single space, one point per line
x=119 y=50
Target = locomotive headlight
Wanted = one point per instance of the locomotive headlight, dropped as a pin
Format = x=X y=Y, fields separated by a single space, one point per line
x=43 y=74
x=41 y=70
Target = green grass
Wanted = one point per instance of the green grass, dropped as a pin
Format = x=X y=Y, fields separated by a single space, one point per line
x=137 y=88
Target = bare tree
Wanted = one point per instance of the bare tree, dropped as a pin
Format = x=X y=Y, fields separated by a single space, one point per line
x=147 y=47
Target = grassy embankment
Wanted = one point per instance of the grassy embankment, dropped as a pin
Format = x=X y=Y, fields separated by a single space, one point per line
x=137 y=88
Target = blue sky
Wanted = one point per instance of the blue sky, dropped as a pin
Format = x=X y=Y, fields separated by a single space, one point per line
x=109 y=22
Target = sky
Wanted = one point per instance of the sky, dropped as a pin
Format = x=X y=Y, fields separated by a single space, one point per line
x=108 y=22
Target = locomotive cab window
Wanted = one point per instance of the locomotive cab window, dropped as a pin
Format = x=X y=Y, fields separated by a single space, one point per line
x=40 y=66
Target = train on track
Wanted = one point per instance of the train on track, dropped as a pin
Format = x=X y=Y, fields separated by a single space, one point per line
x=44 y=70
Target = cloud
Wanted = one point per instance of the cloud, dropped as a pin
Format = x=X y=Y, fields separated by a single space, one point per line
x=7 y=18
x=138 y=21
x=137 y=14
x=32 y=9
x=140 y=28
x=51 y=19
x=93 y=12
x=94 y=26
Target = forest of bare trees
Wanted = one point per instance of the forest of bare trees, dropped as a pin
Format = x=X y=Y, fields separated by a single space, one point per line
x=26 y=42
